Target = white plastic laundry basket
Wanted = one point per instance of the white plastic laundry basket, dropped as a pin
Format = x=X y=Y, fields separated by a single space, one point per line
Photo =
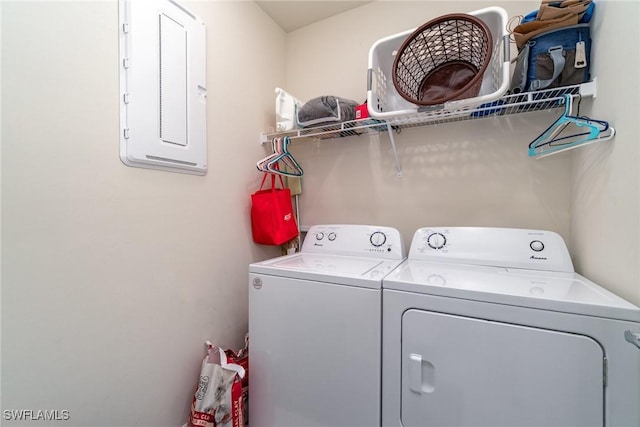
x=384 y=102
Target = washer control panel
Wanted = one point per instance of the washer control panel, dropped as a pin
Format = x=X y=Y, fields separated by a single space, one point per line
x=355 y=240
x=500 y=247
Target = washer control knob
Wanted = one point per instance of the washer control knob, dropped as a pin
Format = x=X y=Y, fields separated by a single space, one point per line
x=332 y=236
x=378 y=238
x=536 y=245
x=436 y=240
x=319 y=236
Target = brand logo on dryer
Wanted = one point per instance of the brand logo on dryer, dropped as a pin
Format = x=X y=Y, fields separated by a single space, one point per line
x=538 y=257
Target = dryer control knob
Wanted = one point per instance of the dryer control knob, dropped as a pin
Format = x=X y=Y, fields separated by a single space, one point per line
x=320 y=236
x=436 y=240
x=536 y=245
x=378 y=238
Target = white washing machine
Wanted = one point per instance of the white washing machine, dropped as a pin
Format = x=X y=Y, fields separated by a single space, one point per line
x=492 y=327
x=315 y=329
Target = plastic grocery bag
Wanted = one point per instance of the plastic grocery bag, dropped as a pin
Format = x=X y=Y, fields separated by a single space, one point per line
x=218 y=400
x=241 y=357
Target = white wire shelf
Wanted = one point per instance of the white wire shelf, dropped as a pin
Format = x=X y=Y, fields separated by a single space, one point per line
x=506 y=105
x=338 y=130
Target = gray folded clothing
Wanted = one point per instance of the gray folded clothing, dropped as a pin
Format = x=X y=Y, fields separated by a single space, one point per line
x=325 y=110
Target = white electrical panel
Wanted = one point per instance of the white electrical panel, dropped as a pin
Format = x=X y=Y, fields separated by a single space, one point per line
x=163 y=87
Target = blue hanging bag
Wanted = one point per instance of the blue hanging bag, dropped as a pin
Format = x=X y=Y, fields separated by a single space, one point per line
x=554 y=58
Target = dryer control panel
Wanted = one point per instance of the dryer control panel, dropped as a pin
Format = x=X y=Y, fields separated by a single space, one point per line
x=355 y=240
x=498 y=247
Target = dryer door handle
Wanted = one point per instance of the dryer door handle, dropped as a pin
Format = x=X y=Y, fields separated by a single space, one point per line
x=421 y=374
x=633 y=338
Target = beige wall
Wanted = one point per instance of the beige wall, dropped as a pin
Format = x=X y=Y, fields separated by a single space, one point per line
x=605 y=181
x=113 y=277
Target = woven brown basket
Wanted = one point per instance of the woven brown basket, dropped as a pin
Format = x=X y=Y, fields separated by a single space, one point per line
x=443 y=60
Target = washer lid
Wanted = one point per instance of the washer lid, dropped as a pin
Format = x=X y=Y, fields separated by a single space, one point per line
x=556 y=291
x=344 y=270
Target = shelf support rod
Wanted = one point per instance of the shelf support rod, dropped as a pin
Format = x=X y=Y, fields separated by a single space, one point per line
x=393 y=147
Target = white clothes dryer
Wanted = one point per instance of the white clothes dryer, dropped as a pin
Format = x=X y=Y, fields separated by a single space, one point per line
x=492 y=327
x=315 y=329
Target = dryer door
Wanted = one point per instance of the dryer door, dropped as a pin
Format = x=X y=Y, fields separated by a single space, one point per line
x=462 y=371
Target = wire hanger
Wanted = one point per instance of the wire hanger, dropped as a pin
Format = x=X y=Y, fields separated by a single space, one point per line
x=270 y=164
x=552 y=140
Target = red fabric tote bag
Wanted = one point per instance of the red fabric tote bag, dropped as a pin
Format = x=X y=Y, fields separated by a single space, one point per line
x=272 y=219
